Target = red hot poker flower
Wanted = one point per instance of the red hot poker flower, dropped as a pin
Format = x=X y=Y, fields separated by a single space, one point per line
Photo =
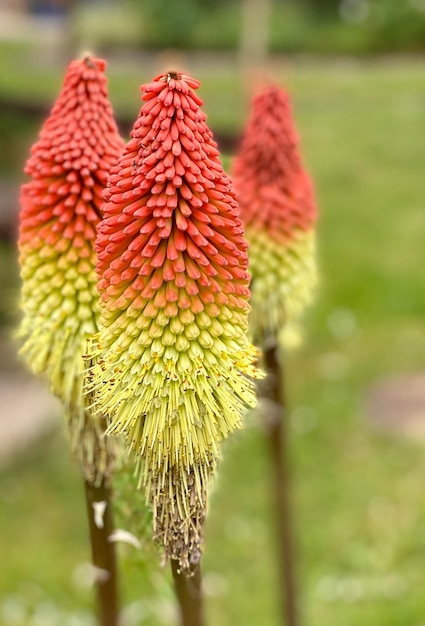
x=278 y=209
x=175 y=367
x=61 y=209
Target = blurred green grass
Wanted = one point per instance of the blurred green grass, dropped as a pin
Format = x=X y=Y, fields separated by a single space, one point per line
x=358 y=493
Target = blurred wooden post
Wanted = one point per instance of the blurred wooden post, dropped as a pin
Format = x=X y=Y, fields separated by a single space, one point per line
x=71 y=38
x=254 y=43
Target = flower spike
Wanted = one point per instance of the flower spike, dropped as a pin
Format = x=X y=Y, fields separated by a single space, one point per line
x=175 y=370
x=61 y=209
x=278 y=210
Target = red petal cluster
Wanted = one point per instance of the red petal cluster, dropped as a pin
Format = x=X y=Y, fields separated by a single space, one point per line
x=274 y=191
x=70 y=164
x=172 y=237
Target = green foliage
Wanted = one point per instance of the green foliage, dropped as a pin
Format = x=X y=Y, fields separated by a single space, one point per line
x=14 y=132
x=8 y=285
x=319 y=26
x=132 y=514
x=398 y=25
x=172 y=22
x=189 y=24
x=103 y=26
x=308 y=26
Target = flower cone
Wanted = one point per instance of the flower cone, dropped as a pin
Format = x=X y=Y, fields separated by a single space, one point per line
x=174 y=367
x=61 y=209
x=278 y=210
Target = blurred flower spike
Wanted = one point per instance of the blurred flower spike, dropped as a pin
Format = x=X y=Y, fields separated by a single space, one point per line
x=60 y=212
x=174 y=368
x=278 y=210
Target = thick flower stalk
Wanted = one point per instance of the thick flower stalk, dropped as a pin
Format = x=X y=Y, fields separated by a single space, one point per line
x=61 y=209
x=174 y=367
x=278 y=210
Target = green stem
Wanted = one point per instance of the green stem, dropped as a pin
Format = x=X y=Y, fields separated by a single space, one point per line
x=189 y=595
x=277 y=433
x=103 y=551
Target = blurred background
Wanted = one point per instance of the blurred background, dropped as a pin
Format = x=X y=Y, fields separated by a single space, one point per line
x=355 y=70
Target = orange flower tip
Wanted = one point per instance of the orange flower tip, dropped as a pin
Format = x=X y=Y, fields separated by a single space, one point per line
x=174 y=81
x=93 y=63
